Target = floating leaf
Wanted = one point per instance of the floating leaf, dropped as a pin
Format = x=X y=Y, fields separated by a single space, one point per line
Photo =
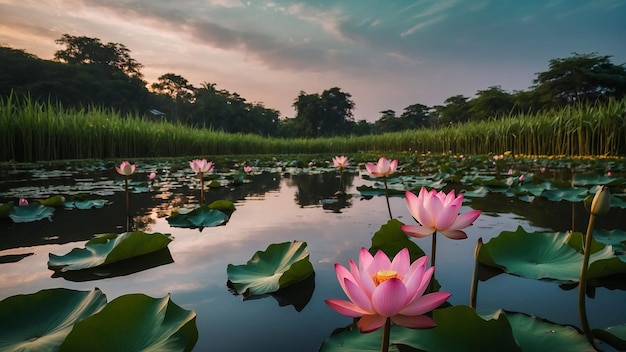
x=391 y=239
x=54 y=201
x=547 y=255
x=41 y=321
x=573 y=195
x=86 y=204
x=458 y=328
x=537 y=335
x=31 y=212
x=614 y=336
x=135 y=322
x=280 y=265
x=5 y=209
x=109 y=248
x=222 y=205
x=615 y=238
x=199 y=217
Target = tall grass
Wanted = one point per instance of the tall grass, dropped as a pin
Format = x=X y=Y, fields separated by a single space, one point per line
x=37 y=131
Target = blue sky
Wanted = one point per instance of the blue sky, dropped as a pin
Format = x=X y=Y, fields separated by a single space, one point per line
x=387 y=54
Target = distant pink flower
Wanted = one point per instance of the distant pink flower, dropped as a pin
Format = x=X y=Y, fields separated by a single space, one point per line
x=510 y=171
x=152 y=176
x=521 y=178
x=384 y=167
x=22 y=202
x=341 y=161
x=125 y=168
x=201 y=166
x=247 y=169
x=379 y=288
x=436 y=211
x=609 y=174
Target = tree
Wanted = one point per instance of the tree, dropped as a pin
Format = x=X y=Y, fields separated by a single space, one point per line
x=176 y=95
x=491 y=103
x=86 y=50
x=327 y=114
x=455 y=110
x=416 y=116
x=580 y=78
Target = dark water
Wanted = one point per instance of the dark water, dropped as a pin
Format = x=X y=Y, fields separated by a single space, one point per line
x=273 y=208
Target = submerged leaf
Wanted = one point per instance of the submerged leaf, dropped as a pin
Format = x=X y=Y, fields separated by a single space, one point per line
x=135 y=322
x=41 y=321
x=109 y=248
x=280 y=265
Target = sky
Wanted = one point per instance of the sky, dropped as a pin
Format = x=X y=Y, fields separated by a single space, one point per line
x=387 y=54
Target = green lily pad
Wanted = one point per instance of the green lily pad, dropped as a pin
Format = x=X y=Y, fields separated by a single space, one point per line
x=109 y=248
x=135 y=322
x=391 y=240
x=458 y=328
x=614 y=336
x=5 y=209
x=54 y=201
x=573 y=195
x=280 y=265
x=615 y=238
x=31 y=212
x=87 y=204
x=41 y=321
x=222 y=204
x=477 y=192
x=548 y=255
x=200 y=217
x=537 y=335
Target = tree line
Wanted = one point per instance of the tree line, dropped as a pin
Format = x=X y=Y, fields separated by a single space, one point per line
x=88 y=72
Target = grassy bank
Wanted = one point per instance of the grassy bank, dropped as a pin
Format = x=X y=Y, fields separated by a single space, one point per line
x=36 y=131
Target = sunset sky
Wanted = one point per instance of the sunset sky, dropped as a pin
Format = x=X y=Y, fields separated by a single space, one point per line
x=386 y=54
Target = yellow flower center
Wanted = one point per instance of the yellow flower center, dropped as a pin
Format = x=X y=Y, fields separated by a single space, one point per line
x=384 y=275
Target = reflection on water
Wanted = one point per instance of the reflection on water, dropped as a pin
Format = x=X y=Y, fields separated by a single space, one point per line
x=273 y=208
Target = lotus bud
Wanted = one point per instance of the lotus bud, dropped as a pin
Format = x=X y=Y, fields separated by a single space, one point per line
x=601 y=201
x=22 y=202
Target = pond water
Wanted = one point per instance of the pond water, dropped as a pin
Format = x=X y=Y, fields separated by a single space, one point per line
x=272 y=208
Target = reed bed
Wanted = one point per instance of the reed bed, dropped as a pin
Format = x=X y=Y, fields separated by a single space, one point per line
x=41 y=131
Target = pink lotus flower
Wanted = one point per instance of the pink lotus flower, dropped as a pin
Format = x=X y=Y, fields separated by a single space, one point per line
x=247 y=169
x=521 y=178
x=201 y=166
x=22 y=202
x=152 y=176
x=341 y=161
x=125 y=168
x=384 y=167
x=379 y=288
x=436 y=211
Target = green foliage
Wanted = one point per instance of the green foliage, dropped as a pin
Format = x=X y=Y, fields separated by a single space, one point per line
x=107 y=249
x=135 y=322
x=391 y=239
x=199 y=217
x=279 y=266
x=31 y=212
x=40 y=322
x=548 y=255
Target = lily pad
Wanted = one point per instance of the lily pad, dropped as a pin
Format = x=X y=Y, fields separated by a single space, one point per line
x=222 y=204
x=41 y=321
x=538 y=335
x=109 y=248
x=615 y=238
x=458 y=328
x=5 y=209
x=200 y=217
x=31 y=212
x=614 y=336
x=573 y=195
x=135 y=322
x=548 y=255
x=279 y=266
x=56 y=201
x=391 y=240
x=87 y=204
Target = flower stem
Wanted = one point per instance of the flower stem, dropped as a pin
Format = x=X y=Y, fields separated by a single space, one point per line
x=127 y=204
x=201 y=189
x=387 y=197
x=433 y=250
x=474 y=287
x=582 y=285
x=386 y=333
